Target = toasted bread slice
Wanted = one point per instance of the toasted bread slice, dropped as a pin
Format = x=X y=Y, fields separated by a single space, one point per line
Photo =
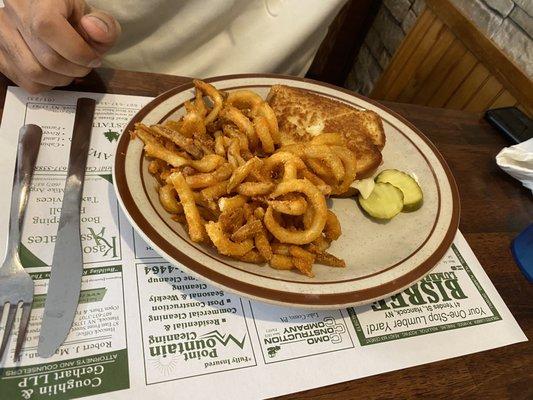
x=302 y=115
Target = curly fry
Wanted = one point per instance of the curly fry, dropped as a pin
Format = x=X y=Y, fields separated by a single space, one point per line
x=173 y=125
x=234 y=153
x=283 y=158
x=238 y=118
x=281 y=248
x=350 y=168
x=330 y=260
x=264 y=110
x=242 y=172
x=231 y=220
x=209 y=178
x=317 y=181
x=321 y=170
x=304 y=266
x=167 y=197
x=199 y=103
x=215 y=97
x=247 y=231
x=293 y=205
x=278 y=261
x=194 y=220
x=252 y=189
x=234 y=133
x=242 y=99
x=252 y=256
x=262 y=244
x=179 y=140
x=215 y=191
x=229 y=203
x=156 y=150
x=192 y=124
x=263 y=133
x=223 y=244
x=156 y=166
x=208 y=163
x=318 y=204
x=332 y=229
x=320 y=152
x=259 y=213
x=219 y=144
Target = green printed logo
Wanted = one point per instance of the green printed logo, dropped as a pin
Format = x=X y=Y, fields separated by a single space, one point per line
x=223 y=339
x=433 y=288
x=190 y=345
x=272 y=351
x=111 y=135
x=327 y=330
x=102 y=245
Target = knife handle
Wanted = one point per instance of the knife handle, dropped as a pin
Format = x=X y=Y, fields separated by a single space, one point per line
x=81 y=137
x=27 y=151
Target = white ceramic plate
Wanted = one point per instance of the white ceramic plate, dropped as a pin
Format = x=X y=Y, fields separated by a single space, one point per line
x=382 y=257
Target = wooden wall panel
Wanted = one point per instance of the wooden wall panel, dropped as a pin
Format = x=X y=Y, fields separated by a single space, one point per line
x=486 y=94
x=440 y=73
x=469 y=87
x=503 y=99
x=442 y=42
x=442 y=63
x=450 y=83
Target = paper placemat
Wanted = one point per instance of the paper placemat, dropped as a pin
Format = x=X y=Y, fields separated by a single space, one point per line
x=145 y=328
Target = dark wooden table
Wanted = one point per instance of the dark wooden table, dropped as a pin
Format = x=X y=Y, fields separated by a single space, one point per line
x=494 y=209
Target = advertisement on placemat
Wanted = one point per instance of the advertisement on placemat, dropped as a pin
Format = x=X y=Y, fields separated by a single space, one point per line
x=93 y=359
x=286 y=333
x=448 y=298
x=189 y=328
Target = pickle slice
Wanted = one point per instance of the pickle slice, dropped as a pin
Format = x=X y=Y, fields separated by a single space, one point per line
x=412 y=193
x=384 y=202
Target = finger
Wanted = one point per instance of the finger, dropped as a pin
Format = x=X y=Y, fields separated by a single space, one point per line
x=102 y=30
x=26 y=84
x=53 y=29
x=24 y=64
x=51 y=60
x=46 y=56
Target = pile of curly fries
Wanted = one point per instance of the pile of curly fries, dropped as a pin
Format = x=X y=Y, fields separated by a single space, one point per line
x=224 y=172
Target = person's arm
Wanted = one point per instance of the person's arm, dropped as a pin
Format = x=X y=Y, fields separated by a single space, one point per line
x=48 y=43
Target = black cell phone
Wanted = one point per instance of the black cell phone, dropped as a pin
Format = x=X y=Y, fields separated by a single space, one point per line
x=511 y=122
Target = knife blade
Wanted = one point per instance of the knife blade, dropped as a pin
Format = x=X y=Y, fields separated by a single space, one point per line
x=67 y=263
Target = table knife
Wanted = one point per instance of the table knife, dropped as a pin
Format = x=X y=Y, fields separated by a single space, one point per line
x=67 y=264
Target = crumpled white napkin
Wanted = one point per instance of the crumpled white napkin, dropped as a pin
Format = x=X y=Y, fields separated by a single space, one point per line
x=517 y=161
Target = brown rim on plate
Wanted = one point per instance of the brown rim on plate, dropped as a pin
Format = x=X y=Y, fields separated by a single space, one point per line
x=268 y=294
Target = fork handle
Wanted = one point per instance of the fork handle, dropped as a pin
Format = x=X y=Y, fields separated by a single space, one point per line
x=27 y=150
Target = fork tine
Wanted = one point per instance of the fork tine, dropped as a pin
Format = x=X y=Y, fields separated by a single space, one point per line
x=2 y=306
x=24 y=319
x=8 y=327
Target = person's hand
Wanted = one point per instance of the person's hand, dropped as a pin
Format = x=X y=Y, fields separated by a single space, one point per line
x=48 y=43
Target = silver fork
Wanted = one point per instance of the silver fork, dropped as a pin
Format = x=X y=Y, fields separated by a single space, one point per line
x=16 y=286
